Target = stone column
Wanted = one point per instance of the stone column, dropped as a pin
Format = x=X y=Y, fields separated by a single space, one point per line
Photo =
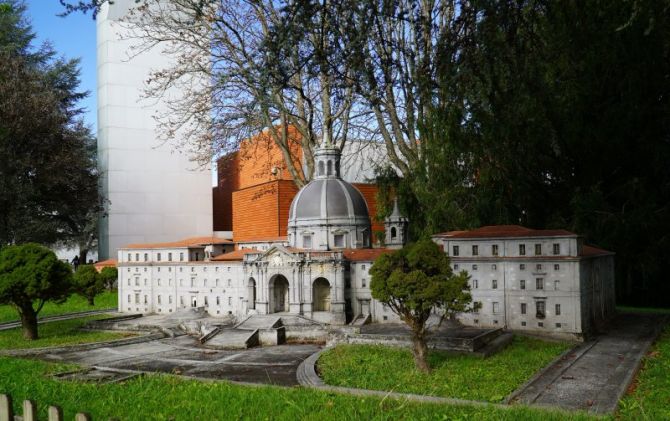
x=337 y=294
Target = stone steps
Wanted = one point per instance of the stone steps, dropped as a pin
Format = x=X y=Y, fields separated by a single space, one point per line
x=233 y=339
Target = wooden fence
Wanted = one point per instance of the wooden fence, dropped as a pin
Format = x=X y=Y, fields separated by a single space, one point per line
x=30 y=411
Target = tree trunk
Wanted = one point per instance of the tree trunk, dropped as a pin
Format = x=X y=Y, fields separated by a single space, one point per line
x=420 y=351
x=29 y=323
x=91 y=300
x=83 y=255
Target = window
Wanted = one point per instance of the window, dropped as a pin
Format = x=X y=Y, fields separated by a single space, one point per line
x=158 y=257
x=137 y=257
x=523 y=323
x=538 y=267
x=159 y=299
x=230 y=301
x=181 y=257
x=538 y=249
x=455 y=267
x=137 y=282
x=557 y=267
x=206 y=301
x=522 y=284
x=474 y=267
x=129 y=298
x=192 y=282
x=522 y=249
x=146 y=257
x=539 y=283
x=181 y=300
x=229 y=282
x=477 y=305
x=540 y=309
x=494 y=267
x=363 y=267
x=339 y=240
x=159 y=282
x=540 y=324
x=394 y=233
x=218 y=300
x=475 y=284
x=522 y=266
x=170 y=299
x=557 y=284
x=307 y=241
x=204 y=283
x=145 y=299
x=197 y=256
x=169 y=257
x=523 y=308
x=321 y=169
x=558 y=309
x=494 y=284
x=496 y=307
x=475 y=250
x=363 y=284
x=455 y=251
x=494 y=249
x=557 y=249
x=130 y=257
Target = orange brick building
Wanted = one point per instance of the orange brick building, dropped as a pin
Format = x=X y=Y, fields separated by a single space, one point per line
x=255 y=190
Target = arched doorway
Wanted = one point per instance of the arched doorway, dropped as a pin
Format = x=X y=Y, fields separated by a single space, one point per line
x=251 y=294
x=278 y=294
x=321 y=295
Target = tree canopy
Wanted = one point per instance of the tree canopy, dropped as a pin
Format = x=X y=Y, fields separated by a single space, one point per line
x=88 y=283
x=48 y=176
x=417 y=282
x=31 y=275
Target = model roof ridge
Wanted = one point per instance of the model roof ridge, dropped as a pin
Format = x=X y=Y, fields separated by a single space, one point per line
x=511 y=231
x=186 y=242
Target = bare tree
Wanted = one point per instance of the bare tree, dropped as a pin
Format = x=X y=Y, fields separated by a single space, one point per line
x=235 y=78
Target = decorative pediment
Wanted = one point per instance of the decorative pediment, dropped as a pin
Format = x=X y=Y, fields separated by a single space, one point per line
x=278 y=256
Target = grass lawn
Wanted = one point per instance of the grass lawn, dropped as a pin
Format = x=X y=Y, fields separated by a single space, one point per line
x=650 y=397
x=74 y=304
x=456 y=376
x=66 y=332
x=160 y=397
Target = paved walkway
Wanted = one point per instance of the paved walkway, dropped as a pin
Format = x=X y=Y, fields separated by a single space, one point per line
x=595 y=375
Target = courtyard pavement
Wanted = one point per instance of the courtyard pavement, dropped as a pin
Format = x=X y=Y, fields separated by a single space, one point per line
x=184 y=356
x=594 y=376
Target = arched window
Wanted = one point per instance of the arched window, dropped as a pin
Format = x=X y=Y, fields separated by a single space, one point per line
x=394 y=233
x=330 y=167
x=320 y=167
x=321 y=295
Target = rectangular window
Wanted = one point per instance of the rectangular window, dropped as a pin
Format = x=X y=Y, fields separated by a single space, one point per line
x=158 y=257
x=494 y=249
x=230 y=301
x=538 y=267
x=339 y=240
x=475 y=284
x=494 y=284
x=540 y=309
x=137 y=298
x=181 y=257
x=474 y=267
x=169 y=257
x=522 y=266
x=206 y=301
x=218 y=300
x=307 y=241
x=523 y=308
x=557 y=267
x=522 y=284
x=146 y=257
x=522 y=249
x=145 y=299
x=476 y=305
x=557 y=284
x=496 y=307
x=558 y=309
x=130 y=257
x=455 y=251
x=557 y=249
x=129 y=298
x=159 y=299
x=539 y=283
x=170 y=299
x=494 y=267
x=475 y=250
x=192 y=282
x=538 y=249
x=137 y=257
x=455 y=267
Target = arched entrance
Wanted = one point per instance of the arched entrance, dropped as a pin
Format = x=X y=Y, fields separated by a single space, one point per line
x=278 y=294
x=251 y=294
x=321 y=295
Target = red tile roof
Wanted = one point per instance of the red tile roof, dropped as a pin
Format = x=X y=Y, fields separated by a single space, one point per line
x=364 y=255
x=187 y=242
x=504 y=231
x=236 y=255
x=104 y=264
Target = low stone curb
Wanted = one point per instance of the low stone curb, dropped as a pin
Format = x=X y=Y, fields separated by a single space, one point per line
x=307 y=377
x=82 y=347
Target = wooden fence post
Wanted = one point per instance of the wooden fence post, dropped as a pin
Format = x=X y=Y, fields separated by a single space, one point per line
x=55 y=413
x=82 y=416
x=6 y=410
x=29 y=410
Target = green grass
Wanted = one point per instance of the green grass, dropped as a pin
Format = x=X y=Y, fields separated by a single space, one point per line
x=74 y=304
x=66 y=332
x=650 y=398
x=646 y=310
x=161 y=397
x=456 y=376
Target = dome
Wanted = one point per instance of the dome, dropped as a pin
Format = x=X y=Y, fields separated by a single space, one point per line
x=327 y=199
x=328 y=213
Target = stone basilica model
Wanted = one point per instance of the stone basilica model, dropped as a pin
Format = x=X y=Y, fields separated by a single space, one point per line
x=541 y=281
